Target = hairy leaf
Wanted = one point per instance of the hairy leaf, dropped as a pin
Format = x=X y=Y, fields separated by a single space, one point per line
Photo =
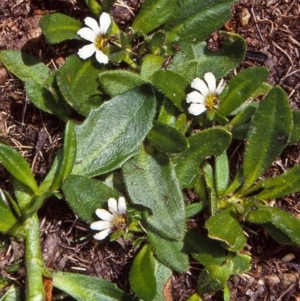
x=195 y=60
x=169 y=252
x=153 y=14
x=241 y=87
x=268 y=135
x=283 y=226
x=141 y=276
x=59 y=27
x=17 y=166
x=77 y=81
x=85 y=195
x=167 y=138
x=24 y=66
x=116 y=82
x=205 y=143
x=214 y=277
x=112 y=134
x=230 y=233
x=160 y=192
x=82 y=287
x=195 y=20
x=173 y=85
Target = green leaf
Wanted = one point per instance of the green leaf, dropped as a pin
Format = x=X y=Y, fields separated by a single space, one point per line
x=195 y=60
x=106 y=5
x=17 y=166
x=8 y=222
x=117 y=82
x=45 y=100
x=282 y=226
x=226 y=292
x=95 y=7
x=263 y=89
x=83 y=288
x=12 y=294
x=221 y=173
x=166 y=138
x=194 y=209
x=241 y=263
x=241 y=87
x=295 y=136
x=239 y=125
x=68 y=157
x=230 y=233
x=160 y=192
x=204 y=249
x=54 y=170
x=77 y=81
x=206 y=143
x=268 y=135
x=182 y=123
x=24 y=195
x=85 y=195
x=236 y=182
x=112 y=134
x=173 y=85
x=59 y=27
x=195 y=20
x=157 y=43
x=277 y=187
x=162 y=275
x=24 y=66
x=169 y=252
x=208 y=174
x=214 y=277
x=168 y=113
x=153 y=14
x=141 y=276
x=194 y=297
x=151 y=64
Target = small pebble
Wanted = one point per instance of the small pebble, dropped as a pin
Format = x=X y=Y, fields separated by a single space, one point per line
x=288 y=257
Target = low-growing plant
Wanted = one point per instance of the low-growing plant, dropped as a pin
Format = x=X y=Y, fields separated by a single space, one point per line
x=152 y=130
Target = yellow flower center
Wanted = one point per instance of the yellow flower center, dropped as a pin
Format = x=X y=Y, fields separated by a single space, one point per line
x=119 y=222
x=100 y=42
x=210 y=101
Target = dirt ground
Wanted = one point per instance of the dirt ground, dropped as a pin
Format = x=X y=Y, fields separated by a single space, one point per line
x=271 y=29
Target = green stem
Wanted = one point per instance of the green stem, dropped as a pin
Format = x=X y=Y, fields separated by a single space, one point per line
x=33 y=260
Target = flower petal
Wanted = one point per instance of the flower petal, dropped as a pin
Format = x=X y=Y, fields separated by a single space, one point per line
x=122 y=205
x=104 y=215
x=200 y=85
x=87 y=34
x=112 y=205
x=220 y=87
x=87 y=51
x=104 y=22
x=92 y=23
x=102 y=234
x=211 y=82
x=195 y=97
x=101 y=57
x=196 y=109
x=101 y=225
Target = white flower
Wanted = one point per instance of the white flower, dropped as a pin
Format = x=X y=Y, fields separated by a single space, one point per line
x=95 y=34
x=112 y=220
x=207 y=95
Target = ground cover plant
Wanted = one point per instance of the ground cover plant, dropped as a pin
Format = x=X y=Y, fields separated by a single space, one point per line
x=151 y=128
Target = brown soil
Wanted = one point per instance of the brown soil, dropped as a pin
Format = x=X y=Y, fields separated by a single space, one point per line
x=273 y=38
